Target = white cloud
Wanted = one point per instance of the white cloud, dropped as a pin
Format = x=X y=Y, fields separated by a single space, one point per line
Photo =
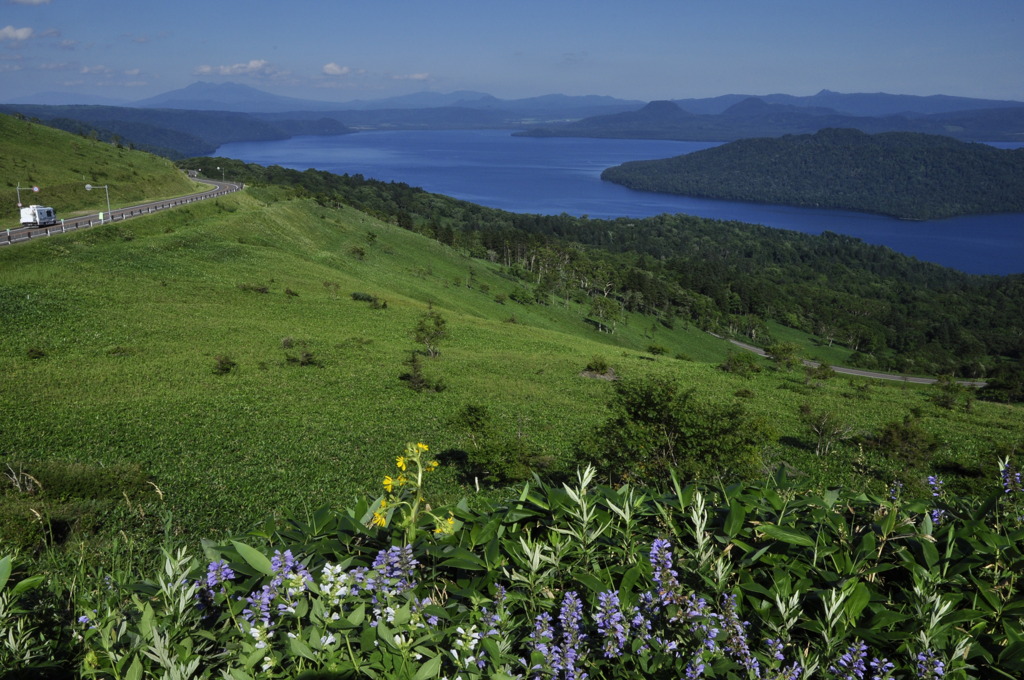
x=334 y=69
x=99 y=68
x=31 y=2
x=254 y=67
x=133 y=72
x=412 y=76
x=16 y=34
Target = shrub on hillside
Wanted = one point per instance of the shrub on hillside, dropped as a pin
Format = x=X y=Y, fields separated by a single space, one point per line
x=657 y=428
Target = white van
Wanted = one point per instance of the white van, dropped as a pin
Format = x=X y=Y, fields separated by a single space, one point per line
x=38 y=216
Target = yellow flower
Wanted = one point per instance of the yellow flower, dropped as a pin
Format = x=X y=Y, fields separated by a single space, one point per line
x=421 y=447
x=445 y=526
x=389 y=483
x=432 y=465
x=378 y=520
x=400 y=462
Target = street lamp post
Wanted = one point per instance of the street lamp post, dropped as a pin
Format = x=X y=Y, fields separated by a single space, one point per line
x=221 y=173
x=106 y=188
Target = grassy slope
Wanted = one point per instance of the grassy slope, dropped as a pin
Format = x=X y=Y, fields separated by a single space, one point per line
x=61 y=164
x=132 y=316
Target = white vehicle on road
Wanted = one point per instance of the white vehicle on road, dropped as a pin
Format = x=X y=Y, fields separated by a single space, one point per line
x=38 y=216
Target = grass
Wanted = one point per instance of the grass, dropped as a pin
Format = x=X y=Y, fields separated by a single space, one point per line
x=114 y=339
x=61 y=164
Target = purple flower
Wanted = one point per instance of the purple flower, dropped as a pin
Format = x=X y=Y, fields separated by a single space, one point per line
x=1011 y=479
x=398 y=566
x=736 y=643
x=259 y=606
x=611 y=624
x=930 y=666
x=852 y=664
x=217 y=573
x=665 y=577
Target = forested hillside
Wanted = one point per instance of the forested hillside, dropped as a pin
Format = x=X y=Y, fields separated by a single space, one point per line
x=893 y=311
x=908 y=175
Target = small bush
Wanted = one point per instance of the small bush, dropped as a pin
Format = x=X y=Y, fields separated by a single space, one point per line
x=741 y=363
x=657 y=350
x=223 y=364
x=598 y=364
x=374 y=301
x=305 y=358
x=417 y=379
x=254 y=288
x=290 y=293
x=35 y=353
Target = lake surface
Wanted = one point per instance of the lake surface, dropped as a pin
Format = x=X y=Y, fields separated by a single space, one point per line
x=563 y=175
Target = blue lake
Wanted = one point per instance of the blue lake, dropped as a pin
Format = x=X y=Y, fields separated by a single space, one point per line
x=562 y=175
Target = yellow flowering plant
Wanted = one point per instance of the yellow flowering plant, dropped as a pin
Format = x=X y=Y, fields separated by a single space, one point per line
x=403 y=495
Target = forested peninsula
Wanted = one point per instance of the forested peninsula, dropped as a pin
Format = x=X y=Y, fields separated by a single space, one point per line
x=902 y=174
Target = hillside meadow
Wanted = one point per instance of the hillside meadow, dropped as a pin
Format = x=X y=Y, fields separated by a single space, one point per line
x=112 y=339
x=61 y=164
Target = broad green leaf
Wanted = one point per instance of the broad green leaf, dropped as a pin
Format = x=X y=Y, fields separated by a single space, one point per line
x=429 y=670
x=6 y=566
x=1013 y=656
x=301 y=648
x=931 y=555
x=135 y=670
x=786 y=535
x=734 y=520
x=357 y=615
x=592 y=582
x=857 y=600
x=629 y=580
x=254 y=558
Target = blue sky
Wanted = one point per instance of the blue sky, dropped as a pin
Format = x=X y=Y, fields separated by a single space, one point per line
x=341 y=50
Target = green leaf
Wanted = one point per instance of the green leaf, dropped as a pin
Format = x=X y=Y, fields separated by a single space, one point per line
x=592 y=582
x=429 y=670
x=931 y=554
x=239 y=674
x=357 y=615
x=6 y=566
x=135 y=670
x=301 y=648
x=1013 y=656
x=858 y=599
x=254 y=558
x=734 y=520
x=27 y=584
x=786 y=535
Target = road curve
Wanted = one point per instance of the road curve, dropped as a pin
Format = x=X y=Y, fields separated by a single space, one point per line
x=856 y=371
x=217 y=188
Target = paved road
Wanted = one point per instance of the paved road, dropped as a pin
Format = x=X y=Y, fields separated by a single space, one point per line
x=12 y=236
x=856 y=371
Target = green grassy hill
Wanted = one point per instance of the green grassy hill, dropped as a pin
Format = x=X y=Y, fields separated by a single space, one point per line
x=112 y=339
x=61 y=164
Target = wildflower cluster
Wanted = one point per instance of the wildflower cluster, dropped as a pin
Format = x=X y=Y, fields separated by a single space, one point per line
x=854 y=665
x=936 y=486
x=404 y=493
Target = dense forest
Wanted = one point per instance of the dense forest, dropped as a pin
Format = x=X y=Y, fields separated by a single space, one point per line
x=894 y=311
x=903 y=174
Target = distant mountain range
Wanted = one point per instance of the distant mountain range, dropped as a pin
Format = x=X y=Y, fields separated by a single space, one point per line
x=757 y=117
x=197 y=119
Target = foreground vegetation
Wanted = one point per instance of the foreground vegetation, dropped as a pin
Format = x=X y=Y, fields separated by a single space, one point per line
x=908 y=175
x=571 y=581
